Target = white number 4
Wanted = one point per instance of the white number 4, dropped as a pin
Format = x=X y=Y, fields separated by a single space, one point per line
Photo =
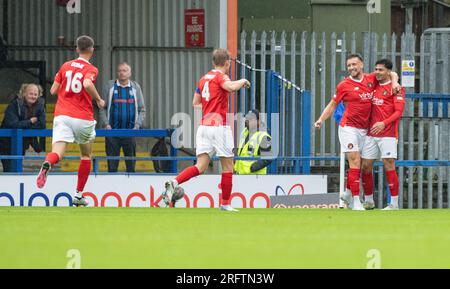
x=75 y=83
x=205 y=92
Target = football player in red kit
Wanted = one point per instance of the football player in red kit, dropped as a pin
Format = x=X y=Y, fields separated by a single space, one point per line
x=356 y=91
x=74 y=115
x=214 y=135
x=382 y=138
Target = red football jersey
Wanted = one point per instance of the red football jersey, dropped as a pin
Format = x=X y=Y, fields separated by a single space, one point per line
x=73 y=99
x=387 y=107
x=214 y=98
x=357 y=97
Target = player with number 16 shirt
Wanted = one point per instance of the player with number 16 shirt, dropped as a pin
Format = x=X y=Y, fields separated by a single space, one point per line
x=74 y=114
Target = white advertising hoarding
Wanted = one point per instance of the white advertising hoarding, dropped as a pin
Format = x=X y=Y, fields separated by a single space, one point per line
x=249 y=191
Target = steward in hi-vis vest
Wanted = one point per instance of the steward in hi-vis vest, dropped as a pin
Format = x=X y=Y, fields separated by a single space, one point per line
x=253 y=143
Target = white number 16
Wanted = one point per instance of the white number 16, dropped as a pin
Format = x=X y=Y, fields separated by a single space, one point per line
x=75 y=83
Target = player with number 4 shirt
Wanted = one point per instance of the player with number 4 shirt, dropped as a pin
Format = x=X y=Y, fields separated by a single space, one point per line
x=214 y=136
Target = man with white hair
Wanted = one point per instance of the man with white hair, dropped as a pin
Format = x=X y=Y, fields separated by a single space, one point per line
x=125 y=109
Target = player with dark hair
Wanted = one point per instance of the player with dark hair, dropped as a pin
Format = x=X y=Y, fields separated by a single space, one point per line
x=74 y=115
x=356 y=91
x=382 y=138
x=214 y=136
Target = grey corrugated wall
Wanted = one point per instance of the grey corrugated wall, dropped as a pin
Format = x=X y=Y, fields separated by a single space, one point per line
x=148 y=34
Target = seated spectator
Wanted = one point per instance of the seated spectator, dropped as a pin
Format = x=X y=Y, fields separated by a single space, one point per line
x=26 y=111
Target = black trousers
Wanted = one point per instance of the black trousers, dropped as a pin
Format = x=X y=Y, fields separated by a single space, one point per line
x=113 y=146
x=5 y=150
x=7 y=164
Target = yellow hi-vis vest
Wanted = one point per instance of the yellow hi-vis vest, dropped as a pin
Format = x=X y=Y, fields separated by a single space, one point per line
x=243 y=167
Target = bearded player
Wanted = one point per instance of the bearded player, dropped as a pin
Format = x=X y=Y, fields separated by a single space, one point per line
x=356 y=91
x=74 y=115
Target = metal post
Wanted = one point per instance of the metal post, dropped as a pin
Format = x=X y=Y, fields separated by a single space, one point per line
x=272 y=108
x=16 y=150
x=95 y=165
x=306 y=128
x=341 y=178
x=173 y=153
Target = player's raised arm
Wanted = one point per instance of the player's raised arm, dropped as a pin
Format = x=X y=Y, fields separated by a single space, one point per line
x=92 y=91
x=231 y=86
x=327 y=112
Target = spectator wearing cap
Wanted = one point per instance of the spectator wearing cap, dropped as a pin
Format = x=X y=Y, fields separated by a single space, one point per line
x=254 y=142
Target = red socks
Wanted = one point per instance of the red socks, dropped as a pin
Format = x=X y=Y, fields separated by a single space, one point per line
x=348 y=183
x=187 y=174
x=52 y=158
x=367 y=180
x=227 y=184
x=83 y=174
x=353 y=180
x=392 y=180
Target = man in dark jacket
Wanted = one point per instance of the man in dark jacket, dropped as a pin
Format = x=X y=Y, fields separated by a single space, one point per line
x=26 y=111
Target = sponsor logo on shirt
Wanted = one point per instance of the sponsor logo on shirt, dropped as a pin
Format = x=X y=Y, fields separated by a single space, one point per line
x=366 y=95
x=123 y=100
x=377 y=101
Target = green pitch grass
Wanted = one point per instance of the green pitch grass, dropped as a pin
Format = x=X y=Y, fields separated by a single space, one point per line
x=209 y=238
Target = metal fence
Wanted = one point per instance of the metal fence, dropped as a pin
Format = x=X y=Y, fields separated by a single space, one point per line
x=424 y=135
x=316 y=62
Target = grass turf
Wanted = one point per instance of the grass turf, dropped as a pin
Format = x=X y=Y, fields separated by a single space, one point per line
x=209 y=238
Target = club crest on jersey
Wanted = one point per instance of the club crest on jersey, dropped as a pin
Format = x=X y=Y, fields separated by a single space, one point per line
x=385 y=92
x=356 y=88
x=350 y=146
x=370 y=85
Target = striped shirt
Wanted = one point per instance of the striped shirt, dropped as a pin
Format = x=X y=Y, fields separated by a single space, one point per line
x=122 y=113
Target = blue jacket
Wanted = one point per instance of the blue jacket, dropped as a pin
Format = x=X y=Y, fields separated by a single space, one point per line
x=16 y=118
